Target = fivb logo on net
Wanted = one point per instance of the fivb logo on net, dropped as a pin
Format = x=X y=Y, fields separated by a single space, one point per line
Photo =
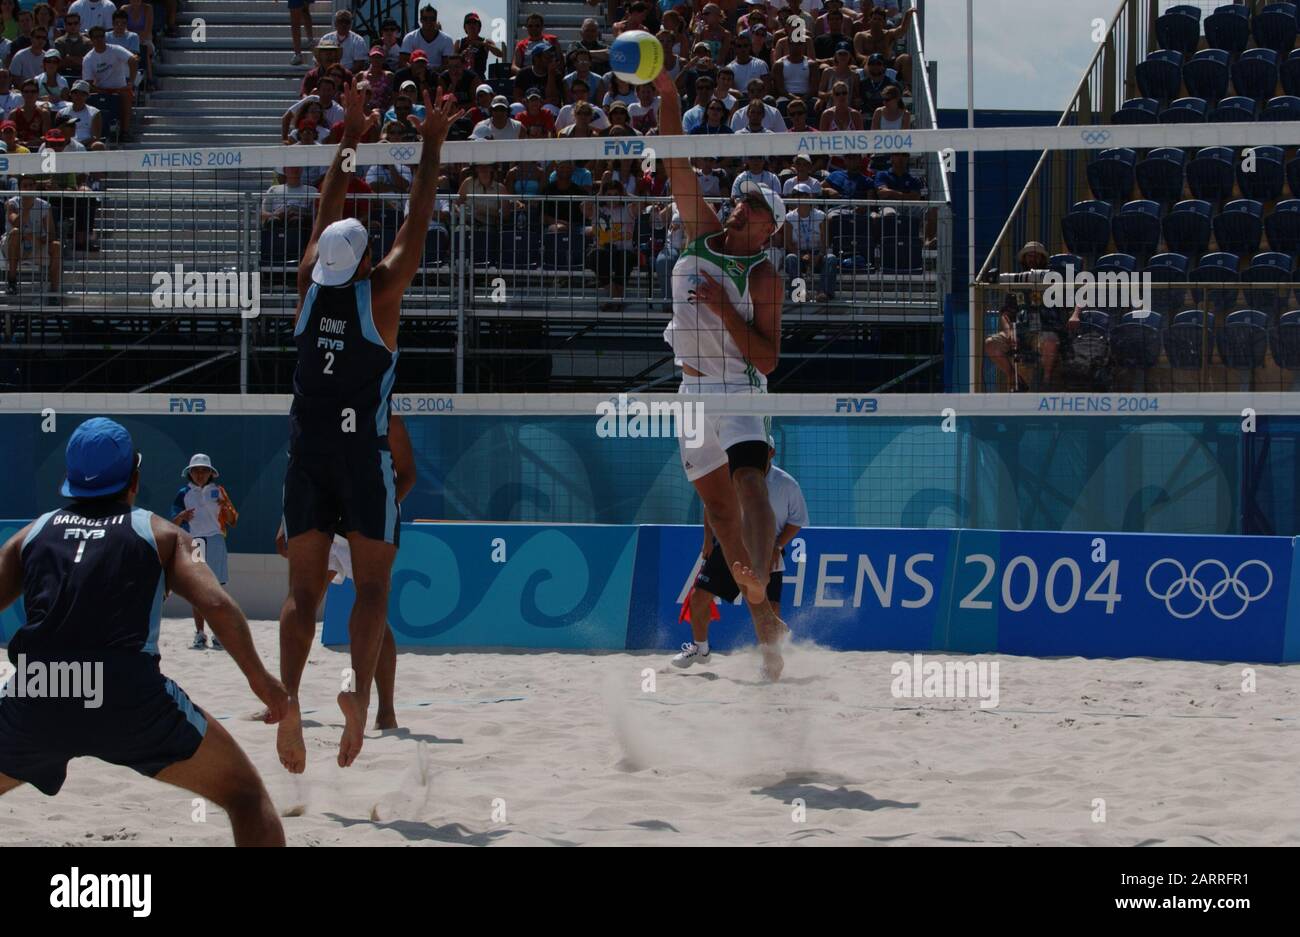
x=179 y=288
x=626 y=417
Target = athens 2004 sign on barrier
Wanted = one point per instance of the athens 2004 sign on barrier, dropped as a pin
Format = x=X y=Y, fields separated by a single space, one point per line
x=1042 y=594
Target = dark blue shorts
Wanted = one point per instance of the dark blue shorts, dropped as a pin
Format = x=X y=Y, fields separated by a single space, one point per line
x=298 y=4
x=341 y=492
x=715 y=578
x=145 y=722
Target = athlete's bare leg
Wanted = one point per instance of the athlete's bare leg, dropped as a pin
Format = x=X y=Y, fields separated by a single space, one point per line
x=386 y=682
x=722 y=502
x=221 y=772
x=372 y=570
x=309 y=555
x=701 y=601
x=7 y=783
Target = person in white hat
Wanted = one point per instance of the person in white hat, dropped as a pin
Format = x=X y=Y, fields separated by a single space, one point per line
x=204 y=510
x=340 y=478
x=726 y=337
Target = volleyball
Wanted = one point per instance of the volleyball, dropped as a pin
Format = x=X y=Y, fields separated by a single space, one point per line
x=636 y=57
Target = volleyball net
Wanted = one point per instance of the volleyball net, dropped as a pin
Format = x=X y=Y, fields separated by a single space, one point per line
x=1131 y=257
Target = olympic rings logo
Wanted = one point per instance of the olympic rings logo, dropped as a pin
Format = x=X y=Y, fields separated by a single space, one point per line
x=1095 y=136
x=402 y=153
x=1191 y=583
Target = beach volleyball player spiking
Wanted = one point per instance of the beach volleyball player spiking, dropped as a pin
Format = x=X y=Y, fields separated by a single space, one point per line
x=726 y=337
x=340 y=477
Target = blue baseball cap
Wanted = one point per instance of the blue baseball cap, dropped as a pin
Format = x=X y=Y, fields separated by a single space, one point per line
x=100 y=459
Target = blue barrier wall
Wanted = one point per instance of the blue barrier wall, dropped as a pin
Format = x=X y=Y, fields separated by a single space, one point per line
x=1037 y=594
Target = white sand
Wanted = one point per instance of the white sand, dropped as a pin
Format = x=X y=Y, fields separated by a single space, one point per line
x=577 y=754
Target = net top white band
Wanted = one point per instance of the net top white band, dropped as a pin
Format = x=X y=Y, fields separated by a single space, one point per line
x=866 y=142
x=545 y=405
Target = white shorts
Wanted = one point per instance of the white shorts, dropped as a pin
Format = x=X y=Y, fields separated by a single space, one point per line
x=718 y=433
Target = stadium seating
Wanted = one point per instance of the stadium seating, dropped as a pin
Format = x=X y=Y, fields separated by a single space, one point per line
x=1115 y=263
x=1136 y=228
x=1061 y=263
x=1169 y=267
x=1282 y=227
x=1284 y=340
x=1239 y=227
x=1206 y=74
x=1282 y=107
x=1228 y=28
x=1111 y=174
x=1254 y=75
x=1219 y=267
x=1270 y=267
x=1274 y=27
x=1094 y=322
x=1187 y=227
x=1234 y=110
x=1086 y=228
x=1137 y=111
x=1185 y=111
x=1243 y=340
x=1210 y=175
x=1189 y=341
x=1136 y=341
x=1160 y=75
x=1290 y=73
x=1180 y=28
x=1160 y=177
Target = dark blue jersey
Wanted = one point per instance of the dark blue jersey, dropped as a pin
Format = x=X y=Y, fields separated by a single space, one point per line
x=92 y=583
x=344 y=379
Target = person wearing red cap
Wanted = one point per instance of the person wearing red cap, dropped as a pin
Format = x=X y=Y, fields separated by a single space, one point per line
x=476 y=46
x=380 y=80
x=353 y=50
x=418 y=72
x=9 y=137
x=340 y=477
x=330 y=110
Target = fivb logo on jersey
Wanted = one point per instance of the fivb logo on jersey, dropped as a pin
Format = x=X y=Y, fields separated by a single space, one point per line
x=625 y=417
x=179 y=288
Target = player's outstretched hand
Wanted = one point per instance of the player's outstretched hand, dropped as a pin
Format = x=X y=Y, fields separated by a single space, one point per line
x=438 y=119
x=356 y=121
x=271 y=692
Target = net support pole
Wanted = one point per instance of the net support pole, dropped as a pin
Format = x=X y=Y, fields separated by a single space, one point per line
x=971 y=330
x=460 y=299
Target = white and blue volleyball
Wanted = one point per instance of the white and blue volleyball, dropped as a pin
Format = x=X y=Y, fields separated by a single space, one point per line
x=636 y=57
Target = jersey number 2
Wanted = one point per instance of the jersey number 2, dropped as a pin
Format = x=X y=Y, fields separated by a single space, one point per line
x=329 y=362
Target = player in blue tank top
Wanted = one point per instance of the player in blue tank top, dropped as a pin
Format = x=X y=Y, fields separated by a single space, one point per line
x=340 y=478
x=92 y=576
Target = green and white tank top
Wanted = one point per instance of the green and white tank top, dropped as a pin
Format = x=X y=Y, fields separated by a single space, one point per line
x=697 y=336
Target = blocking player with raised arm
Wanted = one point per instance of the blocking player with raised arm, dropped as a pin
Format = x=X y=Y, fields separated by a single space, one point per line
x=726 y=336
x=92 y=576
x=341 y=477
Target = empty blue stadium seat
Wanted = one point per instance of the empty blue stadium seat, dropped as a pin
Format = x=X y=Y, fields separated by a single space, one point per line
x=1136 y=228
x=1180 y=28
x=1086 y=228
x=1206 y=74
x=1190 y=339
x=1293 y=176
x=563 y=250
x=1137 y=340
x=1234 y=110
x=1187 y=227
x=1160 y=175
x=1115 y=263
x=901 y=253
x=520 y=249
x=1282 y=107
x=1111 y=174
x=1065 y=264
x=1266 y=177
x=1167 y=268
x=1228 y=27
x=1285 y=340
x=1219 y=267
x=1270 y=267
x=1289 y=71
x=1137 y=111
x=1094 y=322
x=1160 y=75
x=1282 y=227
x=1243 y=340
x=1255 y=73
x=1239 y=227
x=1210 y=175
x=1185 y=111
x=1274 y=27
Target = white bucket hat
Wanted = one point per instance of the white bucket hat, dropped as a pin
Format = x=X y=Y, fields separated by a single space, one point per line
x=199 y=460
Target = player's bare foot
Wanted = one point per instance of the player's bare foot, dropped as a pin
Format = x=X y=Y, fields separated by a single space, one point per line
x=288 y=741
x=755 y=590
x=354 y=726
x=773 y=662
x=385 y=719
